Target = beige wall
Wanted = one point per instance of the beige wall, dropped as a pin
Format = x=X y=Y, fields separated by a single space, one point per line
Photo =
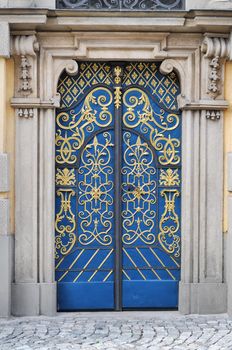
x=227 y=135
x=7 y=126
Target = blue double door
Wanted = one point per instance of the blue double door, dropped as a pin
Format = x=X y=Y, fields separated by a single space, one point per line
x=118 y=181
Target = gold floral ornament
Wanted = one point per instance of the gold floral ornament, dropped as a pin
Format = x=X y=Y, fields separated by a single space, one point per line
x=140 y=114
x=138 y=191
x=169 y=223
x=169 y=177
x=65 y=177
x=117 y=91
x=65 y=223
x=74 y=126
x=95 y=201
x=117 y=97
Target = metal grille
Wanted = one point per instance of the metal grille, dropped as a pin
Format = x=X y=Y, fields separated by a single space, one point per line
x=121 y=5
x=118 y=187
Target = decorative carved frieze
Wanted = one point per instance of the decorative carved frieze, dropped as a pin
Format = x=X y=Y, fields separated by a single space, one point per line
x=215 y=49
x=213 y=115
x=25 y=76
x=25 y=46
x=25 y=112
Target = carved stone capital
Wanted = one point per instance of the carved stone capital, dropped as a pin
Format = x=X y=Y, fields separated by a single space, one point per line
x=213 y=108
x=25 y=45
x=215 y=47
x=27 y=107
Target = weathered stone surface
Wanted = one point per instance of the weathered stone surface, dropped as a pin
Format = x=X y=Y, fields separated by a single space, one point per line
x=113 y=331
x=28 y=3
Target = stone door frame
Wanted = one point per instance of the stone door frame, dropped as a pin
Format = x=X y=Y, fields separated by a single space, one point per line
x=39 y=61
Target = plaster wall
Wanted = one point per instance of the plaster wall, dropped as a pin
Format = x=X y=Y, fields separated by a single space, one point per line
x=227 y=138
x=6 y=185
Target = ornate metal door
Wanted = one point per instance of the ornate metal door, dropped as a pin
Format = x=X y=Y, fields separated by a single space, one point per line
x=118 y=158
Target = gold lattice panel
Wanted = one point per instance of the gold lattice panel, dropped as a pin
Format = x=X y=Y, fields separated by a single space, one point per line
x=145 y=74
x=71 y=88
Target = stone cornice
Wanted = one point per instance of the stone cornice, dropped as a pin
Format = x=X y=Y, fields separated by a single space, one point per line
x=31 y=19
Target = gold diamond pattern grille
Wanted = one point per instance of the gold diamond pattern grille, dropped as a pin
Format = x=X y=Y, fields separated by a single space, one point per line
x=147 y=75
x=71 y=89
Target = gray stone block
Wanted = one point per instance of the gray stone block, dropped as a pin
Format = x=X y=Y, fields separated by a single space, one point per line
x=51 y=4
x=203 y=298
x=25 y=299
x=4 y=164
x=48 y=299
x=4 y=216
x=6 y=263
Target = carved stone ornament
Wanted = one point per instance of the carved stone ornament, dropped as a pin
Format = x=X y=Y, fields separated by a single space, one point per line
x=25 y=112
x=213 y=115
x=216 y=49
x=25 y=46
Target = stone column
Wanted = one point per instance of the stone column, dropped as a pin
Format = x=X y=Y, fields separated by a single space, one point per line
x=34 y=290
x=25 y=297
x=6 y=240
x=205 y=288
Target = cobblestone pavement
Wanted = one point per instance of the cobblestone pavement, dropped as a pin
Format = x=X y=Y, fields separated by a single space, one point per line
x=112 y=331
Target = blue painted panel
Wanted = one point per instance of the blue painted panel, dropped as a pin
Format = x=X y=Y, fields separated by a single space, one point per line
x=150 y=294
x=85 y=296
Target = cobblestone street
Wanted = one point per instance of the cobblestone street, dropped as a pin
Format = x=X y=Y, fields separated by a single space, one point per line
x=111 y=330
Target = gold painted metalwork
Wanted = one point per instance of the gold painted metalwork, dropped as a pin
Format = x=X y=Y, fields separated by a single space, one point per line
x=139 y=113
x=117 y=97
x=117 y=72
x=100 y=265
x=77 y=124
x=117 y=89
x=138 y=173
x=65 y=177
x=72 y=88
x=146 y=75
x=65 y=223
x=95 y=192
x=169 y=177
x=169 y=223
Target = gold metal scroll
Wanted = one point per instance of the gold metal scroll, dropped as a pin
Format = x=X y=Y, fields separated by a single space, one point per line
x=139 y=113
x=169 y=223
